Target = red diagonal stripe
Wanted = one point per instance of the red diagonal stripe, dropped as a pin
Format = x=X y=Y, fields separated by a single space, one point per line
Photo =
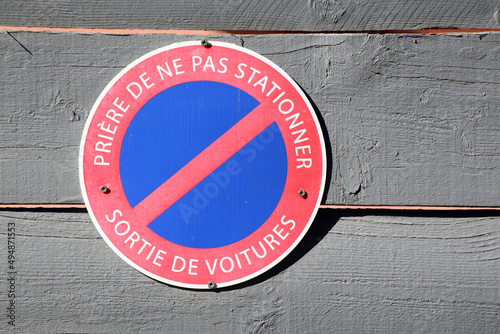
x=202 y=165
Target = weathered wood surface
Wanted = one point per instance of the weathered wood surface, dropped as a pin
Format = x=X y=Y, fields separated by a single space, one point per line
x=351 y=273
x=411 y=120
x=296 y=15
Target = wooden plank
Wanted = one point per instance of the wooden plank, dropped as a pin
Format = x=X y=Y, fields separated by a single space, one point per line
x=234 y=15
x=352 y=273
x=411 y=120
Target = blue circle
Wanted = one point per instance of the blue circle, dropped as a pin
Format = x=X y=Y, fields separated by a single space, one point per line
x=174 y=127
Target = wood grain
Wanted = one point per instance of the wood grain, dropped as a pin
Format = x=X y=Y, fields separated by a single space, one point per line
x=234 y=15
x=436 y=273
x=411 y=120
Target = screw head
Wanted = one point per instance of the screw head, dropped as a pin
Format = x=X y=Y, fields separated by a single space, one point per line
x=302 y=193
x=104 y=189
x=212 y=285
x=206 y=43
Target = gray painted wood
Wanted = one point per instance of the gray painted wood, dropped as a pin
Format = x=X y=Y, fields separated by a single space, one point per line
x=411 y=120
x=352 y=273
x=297 y=15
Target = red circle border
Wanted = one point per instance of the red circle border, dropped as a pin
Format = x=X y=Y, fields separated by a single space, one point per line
x=277 y=237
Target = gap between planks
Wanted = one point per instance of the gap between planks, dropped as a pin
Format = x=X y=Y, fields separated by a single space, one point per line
x=325 y=206
x=234 y=32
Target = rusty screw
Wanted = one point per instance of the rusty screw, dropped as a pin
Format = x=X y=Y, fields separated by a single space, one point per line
x=206 y=43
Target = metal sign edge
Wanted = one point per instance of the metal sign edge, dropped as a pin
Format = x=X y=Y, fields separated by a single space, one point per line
x=318 y=129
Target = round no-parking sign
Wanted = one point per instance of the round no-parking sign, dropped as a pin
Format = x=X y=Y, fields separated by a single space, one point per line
x=202 y=166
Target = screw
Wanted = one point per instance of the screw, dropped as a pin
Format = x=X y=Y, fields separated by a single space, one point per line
x=212 y=285
x=302 y=193
x=104 y=189
x=205 y=43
